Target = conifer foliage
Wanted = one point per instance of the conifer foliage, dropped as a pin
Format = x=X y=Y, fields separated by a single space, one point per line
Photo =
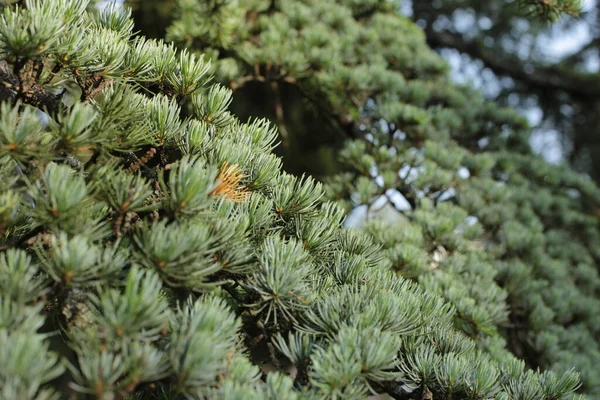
x=152 y=247
x=509 y=240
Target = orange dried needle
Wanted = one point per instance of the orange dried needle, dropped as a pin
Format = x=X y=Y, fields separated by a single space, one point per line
x=229 y=183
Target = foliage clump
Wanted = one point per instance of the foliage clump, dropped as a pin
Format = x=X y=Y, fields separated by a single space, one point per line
x=152 y=246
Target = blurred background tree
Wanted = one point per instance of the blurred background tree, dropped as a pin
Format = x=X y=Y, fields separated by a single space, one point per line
x=549 y=71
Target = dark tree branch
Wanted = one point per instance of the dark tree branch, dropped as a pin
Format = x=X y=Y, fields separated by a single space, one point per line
x=279 y=114
x=23 y=87
x=577 y=56
x=341 y=123
x=8 y=83
x=543 y=77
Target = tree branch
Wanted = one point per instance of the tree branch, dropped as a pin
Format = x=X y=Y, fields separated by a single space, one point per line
x=577 y=56
x=279 y=115
x=23 y=87
x=543 y=77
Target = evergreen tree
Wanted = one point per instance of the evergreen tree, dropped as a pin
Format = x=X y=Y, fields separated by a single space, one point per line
x=152 y=247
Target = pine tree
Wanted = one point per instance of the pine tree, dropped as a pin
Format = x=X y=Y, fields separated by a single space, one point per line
x=152 y=246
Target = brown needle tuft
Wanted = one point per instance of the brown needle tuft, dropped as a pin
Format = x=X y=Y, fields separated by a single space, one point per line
x=229 y=183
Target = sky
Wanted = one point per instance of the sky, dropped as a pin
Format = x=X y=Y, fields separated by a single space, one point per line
x=562 y=45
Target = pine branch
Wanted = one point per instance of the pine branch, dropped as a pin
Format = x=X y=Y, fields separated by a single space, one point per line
x=22 y=86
